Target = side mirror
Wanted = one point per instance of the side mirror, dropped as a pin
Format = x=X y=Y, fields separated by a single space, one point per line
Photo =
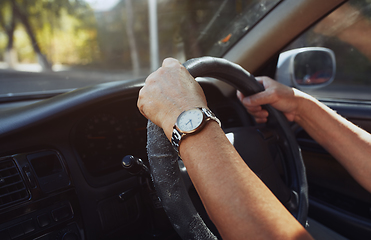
x=306 y=68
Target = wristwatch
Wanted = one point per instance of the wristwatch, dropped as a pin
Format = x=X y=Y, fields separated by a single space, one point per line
x=191 y=122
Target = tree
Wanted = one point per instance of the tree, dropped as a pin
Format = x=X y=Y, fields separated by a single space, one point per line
x=23 y=16
x=7 y=22
x=33 y=15
x=131 y=38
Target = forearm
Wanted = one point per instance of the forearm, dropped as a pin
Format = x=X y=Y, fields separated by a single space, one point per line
x=349 y=144
x=238 y=203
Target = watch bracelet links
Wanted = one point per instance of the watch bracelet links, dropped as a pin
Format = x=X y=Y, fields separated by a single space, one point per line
x=211 y=115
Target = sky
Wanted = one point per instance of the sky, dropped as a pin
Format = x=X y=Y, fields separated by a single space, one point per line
x=102 y=5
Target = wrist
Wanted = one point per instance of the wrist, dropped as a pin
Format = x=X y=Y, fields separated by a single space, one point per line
x=168 y=123
x=171 y=119
x=191 y=122
x=305 y=103
x=209 y=131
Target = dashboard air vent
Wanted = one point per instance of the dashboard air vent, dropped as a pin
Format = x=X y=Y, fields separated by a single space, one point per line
x=12 y=187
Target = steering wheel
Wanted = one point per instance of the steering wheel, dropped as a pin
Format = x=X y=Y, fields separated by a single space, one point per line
x=166 y=175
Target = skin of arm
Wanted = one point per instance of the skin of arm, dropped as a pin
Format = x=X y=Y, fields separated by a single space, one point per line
x=349 y=144
x=238 y=203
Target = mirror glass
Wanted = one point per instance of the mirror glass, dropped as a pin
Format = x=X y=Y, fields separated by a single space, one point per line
x=313 y=68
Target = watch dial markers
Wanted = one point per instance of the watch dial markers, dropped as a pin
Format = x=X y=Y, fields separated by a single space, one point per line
x=190 y=120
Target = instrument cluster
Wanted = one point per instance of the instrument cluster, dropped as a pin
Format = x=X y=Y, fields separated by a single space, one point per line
x=108 y=134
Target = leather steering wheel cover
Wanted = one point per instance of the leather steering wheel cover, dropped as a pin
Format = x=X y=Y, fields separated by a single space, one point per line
x=170 y=188
x=226 y=71
x=163 y=158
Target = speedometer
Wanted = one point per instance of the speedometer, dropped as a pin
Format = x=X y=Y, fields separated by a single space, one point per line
x=104 y=137
x=103 y=132
x=102 y=140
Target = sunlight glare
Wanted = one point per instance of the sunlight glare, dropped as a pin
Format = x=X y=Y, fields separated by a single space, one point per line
x=102 y=5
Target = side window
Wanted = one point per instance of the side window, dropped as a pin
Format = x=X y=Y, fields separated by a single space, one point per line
x=347 y=31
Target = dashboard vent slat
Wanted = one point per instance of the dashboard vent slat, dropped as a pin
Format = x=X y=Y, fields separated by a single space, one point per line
x=10 y=184
x=12 y=187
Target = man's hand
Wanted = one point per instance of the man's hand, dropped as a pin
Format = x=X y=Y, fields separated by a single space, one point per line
x=281 y=97
x=349 y=144
x=235 y=199
x=167 y=92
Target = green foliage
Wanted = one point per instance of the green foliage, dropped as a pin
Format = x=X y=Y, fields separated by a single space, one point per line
x=3 y=42
x=22 y=45
x=55 y=25
x=70 y=32
x=5 y=13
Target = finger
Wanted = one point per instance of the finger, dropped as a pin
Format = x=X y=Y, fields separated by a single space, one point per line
x=261 y=120
x=259 y=79
x=151 y=78
x=170 y=62
x=253 y=109
x=261 y=98
x=264 y=80
x=260 y=114
x=240 y=96
x=140 y=102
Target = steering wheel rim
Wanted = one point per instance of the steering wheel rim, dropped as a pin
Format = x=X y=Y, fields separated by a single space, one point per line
x=163 y=159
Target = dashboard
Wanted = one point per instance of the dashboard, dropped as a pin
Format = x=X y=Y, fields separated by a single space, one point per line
x=60 y=165
x=107 y=134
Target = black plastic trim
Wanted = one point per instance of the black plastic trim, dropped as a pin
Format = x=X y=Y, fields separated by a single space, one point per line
x=350 y=109
x=347 y=224
x=15 y=120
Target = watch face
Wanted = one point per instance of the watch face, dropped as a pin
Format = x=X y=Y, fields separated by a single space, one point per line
x=190 y=120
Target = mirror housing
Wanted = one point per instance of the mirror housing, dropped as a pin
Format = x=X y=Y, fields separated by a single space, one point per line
x=306 y=68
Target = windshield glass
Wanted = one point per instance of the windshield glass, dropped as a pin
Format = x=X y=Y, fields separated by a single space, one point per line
x=64 y=44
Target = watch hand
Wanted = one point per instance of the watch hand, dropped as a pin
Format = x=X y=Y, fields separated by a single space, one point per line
x=190 y=121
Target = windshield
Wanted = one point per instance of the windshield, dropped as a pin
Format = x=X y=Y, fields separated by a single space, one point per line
x=65 y=44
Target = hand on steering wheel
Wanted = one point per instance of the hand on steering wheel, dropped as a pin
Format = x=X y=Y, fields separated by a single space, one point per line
x=168 y=92
x=163 y=158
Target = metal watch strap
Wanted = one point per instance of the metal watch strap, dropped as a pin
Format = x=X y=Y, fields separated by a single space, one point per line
x=211 y=115
x=176 y=136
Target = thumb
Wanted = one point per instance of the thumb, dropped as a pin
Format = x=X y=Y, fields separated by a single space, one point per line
x=240 y=95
